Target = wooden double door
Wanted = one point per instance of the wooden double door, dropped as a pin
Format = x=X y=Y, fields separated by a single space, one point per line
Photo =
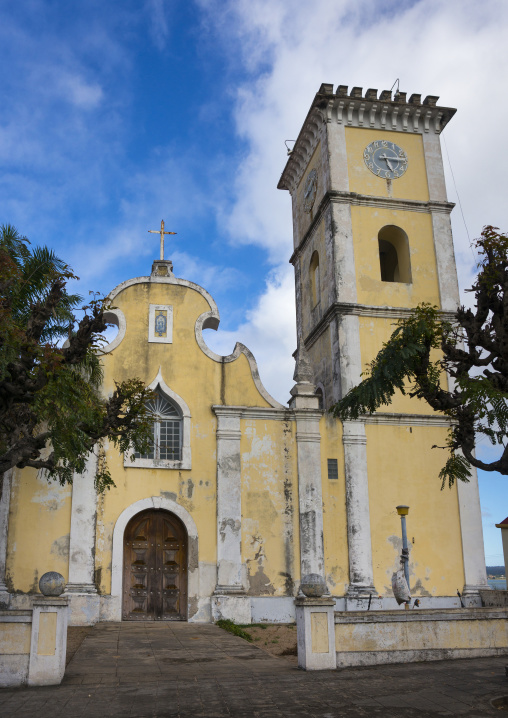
x=155 y=568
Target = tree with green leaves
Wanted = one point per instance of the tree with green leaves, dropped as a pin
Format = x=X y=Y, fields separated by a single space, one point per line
x=472 y=347
x=52 y=413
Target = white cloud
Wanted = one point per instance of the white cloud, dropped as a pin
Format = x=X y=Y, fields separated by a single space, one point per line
x=87 y=95
x=159 y=30
x=269 y=332
x=452 y=49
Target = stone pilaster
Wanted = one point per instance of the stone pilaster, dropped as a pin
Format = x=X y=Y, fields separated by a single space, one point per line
x=80 y=588
x=305 y=405
x=475 y=571
x=361 y=580
x=5 y=596
x=230 y=578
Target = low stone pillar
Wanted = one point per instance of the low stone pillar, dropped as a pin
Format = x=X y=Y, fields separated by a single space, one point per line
x=315 y=629
x=48 y=644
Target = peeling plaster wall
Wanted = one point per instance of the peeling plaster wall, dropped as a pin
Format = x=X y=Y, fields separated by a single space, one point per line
x=202 y=382
x=38 y=535
x=411 y=477
x=270 y=541
x=334 y=508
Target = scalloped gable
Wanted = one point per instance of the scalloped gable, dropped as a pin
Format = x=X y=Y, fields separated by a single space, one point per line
x=208 y=319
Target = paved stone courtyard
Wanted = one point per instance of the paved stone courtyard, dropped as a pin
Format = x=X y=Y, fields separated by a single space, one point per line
x=182 y=670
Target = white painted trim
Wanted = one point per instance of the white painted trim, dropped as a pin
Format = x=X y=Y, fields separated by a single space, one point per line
x=117 y=317
x=163 y=280
x=186 y=460
x=407 y=419
x=205 y=321
x=258 y=413
x=152 y=337
x=4 y=532
x=152 y=502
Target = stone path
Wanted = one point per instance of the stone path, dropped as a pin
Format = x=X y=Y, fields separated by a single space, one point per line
x=185 y=670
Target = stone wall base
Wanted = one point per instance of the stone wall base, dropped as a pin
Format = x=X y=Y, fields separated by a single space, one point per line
x=375 y=658
x=232 y=608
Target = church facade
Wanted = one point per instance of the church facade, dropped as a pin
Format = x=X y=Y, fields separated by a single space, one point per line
x=240 y=496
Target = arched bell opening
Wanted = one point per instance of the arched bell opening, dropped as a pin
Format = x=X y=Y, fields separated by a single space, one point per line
x=155 y=568
x=394 y=259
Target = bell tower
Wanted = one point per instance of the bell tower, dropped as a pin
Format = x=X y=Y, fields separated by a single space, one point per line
x=372 y=239
x=371 y=225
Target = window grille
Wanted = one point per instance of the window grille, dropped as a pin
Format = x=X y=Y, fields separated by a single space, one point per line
x=167 y=429
x=333 y=469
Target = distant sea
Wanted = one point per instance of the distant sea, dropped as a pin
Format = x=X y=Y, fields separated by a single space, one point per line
x=499 y=583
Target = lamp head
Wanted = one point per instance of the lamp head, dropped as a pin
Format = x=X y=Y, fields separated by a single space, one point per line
x=402 y=510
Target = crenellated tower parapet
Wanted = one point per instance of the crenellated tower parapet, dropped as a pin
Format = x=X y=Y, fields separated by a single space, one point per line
x=386 y=112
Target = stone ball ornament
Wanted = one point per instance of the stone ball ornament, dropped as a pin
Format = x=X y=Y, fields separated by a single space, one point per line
x=313 y=585
x=52 y=583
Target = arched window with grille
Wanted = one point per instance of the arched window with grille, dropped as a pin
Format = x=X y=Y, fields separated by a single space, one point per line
x=167 y=429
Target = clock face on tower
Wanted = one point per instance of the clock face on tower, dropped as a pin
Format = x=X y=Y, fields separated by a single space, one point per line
x=385 y=159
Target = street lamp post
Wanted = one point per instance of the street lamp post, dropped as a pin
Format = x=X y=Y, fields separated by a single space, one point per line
x=403 y=512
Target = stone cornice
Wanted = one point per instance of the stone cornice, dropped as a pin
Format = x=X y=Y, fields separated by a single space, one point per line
x=364 y=200
x=353 y=110
x=407 y=419
x=361 y=310
x=260 y=413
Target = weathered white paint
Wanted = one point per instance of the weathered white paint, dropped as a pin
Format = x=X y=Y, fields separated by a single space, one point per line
x=434 y=166
x=232 y=608
x=5 y=596
x=230 y=572
x=116 y=317
x=310 y=499
x=475 y=571
x=366 y=639
x=14 y=656
x=47 y=669
x=445 y=261
x=111 y=609
x=80 y=588
x=344 y=269
x=315 y=616
x=361 y=581
x=339 y=178
x=273 y=609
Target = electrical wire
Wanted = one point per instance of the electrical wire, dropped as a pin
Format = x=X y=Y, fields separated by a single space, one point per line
x=458 y=197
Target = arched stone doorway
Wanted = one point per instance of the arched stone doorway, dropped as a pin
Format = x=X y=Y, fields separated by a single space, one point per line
x=155 y=567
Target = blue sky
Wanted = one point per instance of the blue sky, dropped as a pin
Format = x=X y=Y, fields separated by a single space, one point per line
x=117 y=114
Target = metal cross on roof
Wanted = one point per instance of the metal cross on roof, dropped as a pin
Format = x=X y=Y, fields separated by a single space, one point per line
x=162 y=233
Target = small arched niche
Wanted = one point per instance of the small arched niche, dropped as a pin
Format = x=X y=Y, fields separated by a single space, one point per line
x=315 y=284
x=394 y=259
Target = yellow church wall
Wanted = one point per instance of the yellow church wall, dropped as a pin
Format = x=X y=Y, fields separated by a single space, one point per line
x=412 y=185
x=367 y=222
x=195 y=490
x=270 y=534
x=136 y=356
x=411 y=477
x=374 y=331
x=39 y=529
x=334 y=507
x=201 y=382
